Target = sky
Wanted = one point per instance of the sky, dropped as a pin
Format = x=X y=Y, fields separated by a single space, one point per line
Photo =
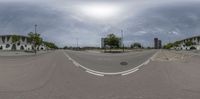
x=65 y=22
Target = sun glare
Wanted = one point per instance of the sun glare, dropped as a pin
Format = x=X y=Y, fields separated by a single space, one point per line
x=100 y=11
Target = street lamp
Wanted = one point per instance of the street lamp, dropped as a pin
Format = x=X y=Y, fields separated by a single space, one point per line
x=169 y=36
x=77 y=43
x=122 y=39
x=36 y=28
x=34 y=37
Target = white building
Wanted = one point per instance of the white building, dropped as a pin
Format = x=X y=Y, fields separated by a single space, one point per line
x=23 y=43
x=195 y=40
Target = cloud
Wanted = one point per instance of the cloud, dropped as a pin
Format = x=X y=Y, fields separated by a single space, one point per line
x=141 y=21
x=172 y=21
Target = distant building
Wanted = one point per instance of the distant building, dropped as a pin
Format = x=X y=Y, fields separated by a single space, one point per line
x=102 y=42
x=195 y=43
x=23 y=43
x=157 y=43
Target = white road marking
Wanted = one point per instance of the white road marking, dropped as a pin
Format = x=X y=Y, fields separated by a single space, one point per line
x=76 y=64
x=130 y=72
x=94 y=73
x=145 y=63
x=97 y=73
x=153 y=57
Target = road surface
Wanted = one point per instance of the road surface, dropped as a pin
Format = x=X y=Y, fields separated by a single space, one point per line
x=110 y=63
x=53 y=76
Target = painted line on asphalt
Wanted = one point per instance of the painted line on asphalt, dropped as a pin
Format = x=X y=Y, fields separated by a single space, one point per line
x=94 y=73
x=97 y=73
x=135 y=68
x=130 y=72
x=154 y=56
x=76 y=64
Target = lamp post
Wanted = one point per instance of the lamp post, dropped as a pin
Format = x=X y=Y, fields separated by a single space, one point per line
x=77 y=43
x=34 y=37
x=122 y=39
x=169 y=36
x=36 y=28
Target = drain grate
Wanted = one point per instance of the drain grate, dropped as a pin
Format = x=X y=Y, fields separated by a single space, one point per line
x=123 y=63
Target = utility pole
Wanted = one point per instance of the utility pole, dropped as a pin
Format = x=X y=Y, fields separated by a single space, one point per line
x=77 y=43
x=35 y=41
x=102 y=41
x=35 y=28
x=122 y=39
x=169 y=36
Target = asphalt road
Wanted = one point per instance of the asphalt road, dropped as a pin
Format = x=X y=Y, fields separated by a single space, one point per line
x=110 y=63
x=53 y=76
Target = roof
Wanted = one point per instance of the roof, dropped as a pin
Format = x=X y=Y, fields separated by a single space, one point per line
x=14 y=34
x=189 y=38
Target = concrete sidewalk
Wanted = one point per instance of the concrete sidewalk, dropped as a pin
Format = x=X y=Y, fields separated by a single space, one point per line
x=20 y=53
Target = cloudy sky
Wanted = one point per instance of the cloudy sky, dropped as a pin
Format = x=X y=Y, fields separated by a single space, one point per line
x=65 y=21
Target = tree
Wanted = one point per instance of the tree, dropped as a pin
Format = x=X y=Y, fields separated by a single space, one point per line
x=168 y=46
x=177 y=43
x=50 y=45
x=136 y=45
x=65 y=47
x=36 y=40
x=189 y=43
x=15 y=39
x=112 y=41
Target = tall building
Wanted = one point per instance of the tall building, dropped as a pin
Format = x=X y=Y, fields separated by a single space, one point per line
x=157 y=43
x=102 y=42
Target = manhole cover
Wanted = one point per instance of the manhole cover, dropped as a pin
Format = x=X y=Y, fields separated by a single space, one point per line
x=124 y=63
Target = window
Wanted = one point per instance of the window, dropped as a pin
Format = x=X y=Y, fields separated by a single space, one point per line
x=8 y=38
x=7 y=45
x=28 y=40
x=18 y=43
x=23 y=39
x=22 y=48
x=3 y=39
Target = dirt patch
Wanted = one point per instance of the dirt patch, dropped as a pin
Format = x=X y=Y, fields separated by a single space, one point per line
x=169 y=55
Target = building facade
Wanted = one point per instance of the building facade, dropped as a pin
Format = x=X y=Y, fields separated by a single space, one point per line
x=157 y=43
x=103 y=43
x=195 y=43
x=6 y=43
